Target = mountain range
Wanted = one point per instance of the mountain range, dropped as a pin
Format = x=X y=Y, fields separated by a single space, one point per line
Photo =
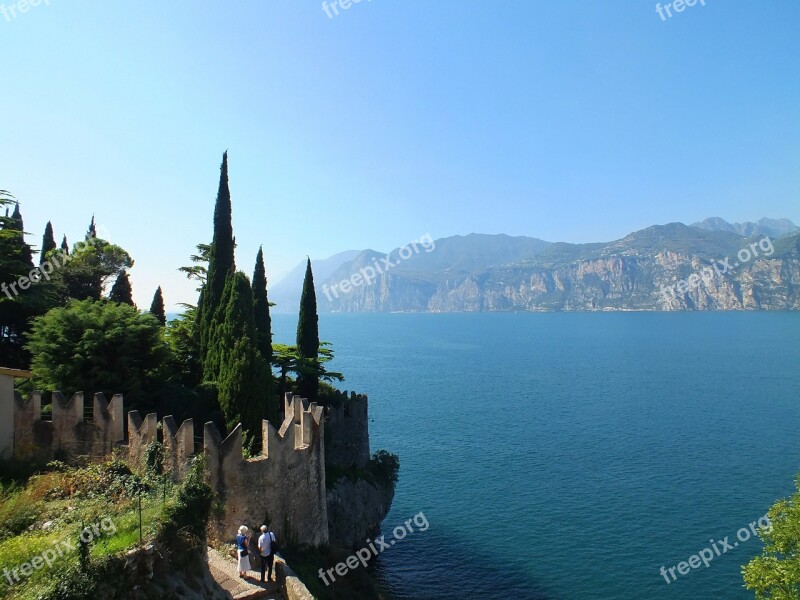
x=710 y=265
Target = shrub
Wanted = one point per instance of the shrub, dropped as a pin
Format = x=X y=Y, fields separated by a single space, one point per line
x=183 y=529
x=154 y=459
x=97 y=346
x=385 y=466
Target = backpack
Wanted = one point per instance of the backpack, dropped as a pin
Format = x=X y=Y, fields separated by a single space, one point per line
x=273 y=544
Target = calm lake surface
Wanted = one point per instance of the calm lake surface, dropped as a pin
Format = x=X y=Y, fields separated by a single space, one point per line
x=570 y=456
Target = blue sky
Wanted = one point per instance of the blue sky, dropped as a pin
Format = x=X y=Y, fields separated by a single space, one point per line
x=569 y=121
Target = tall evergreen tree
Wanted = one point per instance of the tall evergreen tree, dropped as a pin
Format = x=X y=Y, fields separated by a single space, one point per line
x=157 y=307
x=121 y=291
x=244 y=379
x=14 y=302
x=261 y=309
x=48 y=242
x=23 y=250
x=221 y=261
x=64 y=245
x=92 y=232
x=308 y=339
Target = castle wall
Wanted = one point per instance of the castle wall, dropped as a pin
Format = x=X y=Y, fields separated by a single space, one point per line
x=67 y=432
x=6 y=415
x=141 y=433
x=178 y=447
x=347 y=435
x=283 y=487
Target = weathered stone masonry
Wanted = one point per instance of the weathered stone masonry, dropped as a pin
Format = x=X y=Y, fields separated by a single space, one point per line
x=68 y=431
x=285 y=485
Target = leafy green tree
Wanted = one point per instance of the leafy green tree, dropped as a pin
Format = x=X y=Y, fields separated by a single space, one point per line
x=287 y=360
x=181 y=335
x=221 y=260
x=261 y=308
x=157 y=307
x=85 y=272
x=308 y=339
x=97 y=346
x=199 y=270
x=48 y=242
x=121 y=291
x=775 y=575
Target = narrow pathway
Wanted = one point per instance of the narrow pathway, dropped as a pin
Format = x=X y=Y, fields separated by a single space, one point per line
x=223 y=570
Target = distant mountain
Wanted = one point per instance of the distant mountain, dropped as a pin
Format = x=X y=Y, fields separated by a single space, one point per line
x=503 y=273
x=285 y=293
x=427 y=263
x=775 y=228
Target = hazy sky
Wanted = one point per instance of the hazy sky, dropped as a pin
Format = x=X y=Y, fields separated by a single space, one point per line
x=565 y=120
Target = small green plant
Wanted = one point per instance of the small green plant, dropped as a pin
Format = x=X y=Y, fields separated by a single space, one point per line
x=154 y=459
x=385 y=466
x=183 y=528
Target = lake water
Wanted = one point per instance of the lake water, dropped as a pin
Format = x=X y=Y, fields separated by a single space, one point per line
x=569 y=456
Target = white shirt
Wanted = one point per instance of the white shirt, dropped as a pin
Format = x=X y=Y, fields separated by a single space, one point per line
x=264 y=543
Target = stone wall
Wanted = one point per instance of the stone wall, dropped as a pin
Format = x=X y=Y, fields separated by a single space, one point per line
x=347 y=435
x=68 y=432
x=285 y=484
x=6 y=416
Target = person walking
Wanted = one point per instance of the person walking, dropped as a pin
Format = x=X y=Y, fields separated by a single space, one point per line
x=267 y=545
x=242 y=543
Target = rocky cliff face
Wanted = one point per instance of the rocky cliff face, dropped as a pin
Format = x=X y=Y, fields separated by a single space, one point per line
x=358 y=497
x=356 y=509
x=658 y=269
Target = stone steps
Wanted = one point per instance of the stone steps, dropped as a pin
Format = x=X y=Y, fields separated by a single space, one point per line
x=223 y=570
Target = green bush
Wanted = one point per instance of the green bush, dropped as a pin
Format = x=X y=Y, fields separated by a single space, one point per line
x=73 y=582
x=183 y=528
x=154 y=459
x=17 y=513
x=98 y=346
x=385 y=466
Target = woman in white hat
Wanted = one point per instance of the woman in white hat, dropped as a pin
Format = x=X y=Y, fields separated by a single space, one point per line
x=242 y=543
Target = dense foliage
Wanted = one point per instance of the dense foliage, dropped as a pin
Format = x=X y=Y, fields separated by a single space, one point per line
x=775 y=575
x=183 y=528
x=97 y=346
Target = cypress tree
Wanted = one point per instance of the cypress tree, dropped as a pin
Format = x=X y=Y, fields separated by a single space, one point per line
x=48 y=242
x=157 y=307
x=15 y=308
x=308 y=339
x=24 y=252
x=221 y=261
x=244 y=380
x=64 y=245
x=92 y=232
x=121 y=291
x=261 y=309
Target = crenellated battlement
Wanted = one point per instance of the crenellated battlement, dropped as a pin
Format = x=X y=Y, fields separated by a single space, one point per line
x=347 y=440
x=67 y=431
x=285 y=482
